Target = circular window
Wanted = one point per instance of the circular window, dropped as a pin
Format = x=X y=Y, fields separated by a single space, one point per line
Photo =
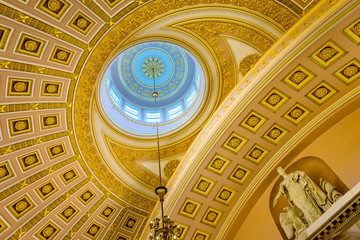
x=134 y=74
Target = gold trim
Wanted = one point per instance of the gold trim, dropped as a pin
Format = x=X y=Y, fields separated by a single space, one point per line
x=200 y=235
x=256 y=154
x=274 y=100
x=225 y=194
x=352 y=69
x=48 y=231
x=190 y=208
x=351 y=31
x=19 y=126
x=105 y=214
x=3 y=225
x=21 y=206
x=296 y=113
x=183 y=230
x=299 y=77
x=87 y=196
x=81 y=23
x=203 y=186
x=61 y=55
x=20 y=87
x=30 y=45
x=6 y=171
x=56 y=150
x=218 y=164
x=69 y=175
x=275 y=133
x=239 y=174
x=130 y=223
x=327 y=54
x=93 y=230
x=4 y=33
x=321 y=93
x=112 y=3
x=253 y=121
x=47 y=189
x=234 y=143
x=50 y=121
x=68 y=212
x=55 y=9
x=30 y=160
x=211 y=217
x=51 y=89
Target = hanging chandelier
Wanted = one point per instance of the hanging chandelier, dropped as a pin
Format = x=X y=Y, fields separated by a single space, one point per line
x=164 y=228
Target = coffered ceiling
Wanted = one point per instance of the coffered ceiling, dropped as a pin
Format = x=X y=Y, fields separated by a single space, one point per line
x=278 y=74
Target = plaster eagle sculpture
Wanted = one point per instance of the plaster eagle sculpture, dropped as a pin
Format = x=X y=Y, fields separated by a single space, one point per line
x=291 y=220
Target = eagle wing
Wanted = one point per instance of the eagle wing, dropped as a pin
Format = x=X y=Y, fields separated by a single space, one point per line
x=287 y=224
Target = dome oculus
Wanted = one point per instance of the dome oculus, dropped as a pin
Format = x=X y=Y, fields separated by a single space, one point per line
x=128 y=84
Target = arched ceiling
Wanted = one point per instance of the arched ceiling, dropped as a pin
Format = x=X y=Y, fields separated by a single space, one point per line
x=274 y=70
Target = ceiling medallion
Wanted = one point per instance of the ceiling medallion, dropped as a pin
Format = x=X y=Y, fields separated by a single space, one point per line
x=153 y=66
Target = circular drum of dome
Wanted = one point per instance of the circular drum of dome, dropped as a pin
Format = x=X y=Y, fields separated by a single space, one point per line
x=132 y=76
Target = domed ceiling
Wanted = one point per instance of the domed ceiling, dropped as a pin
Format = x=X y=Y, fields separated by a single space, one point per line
x=127 y=87
x=240 y=83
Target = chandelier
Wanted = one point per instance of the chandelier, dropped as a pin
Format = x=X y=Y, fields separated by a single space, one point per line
x=164 y=228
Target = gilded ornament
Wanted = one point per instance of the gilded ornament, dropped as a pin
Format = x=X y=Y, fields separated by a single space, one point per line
x=203 y=185
x=190 y=208
x=54 y=5
x=274 y=133
x=107 y=211
x=31 y=45
x=48 y=231
x=93 y=230
x=51 y=88
x=298 y=77
x=273 y=99
x=321 y=92
x=170 y=167
x=130 y=223
x=153 y=67
x=62 y=55
x=86 y=195
x=46 y=189
x=225 y=194
x=234 y=142
x=56 y=150
x=350 y=71
x=211 y=216
x=200 y=237
x=3 y=172
x=217 y=164
x=20 y=86
x=50 y=120
x=68 y=212
x=21 y=206
x=98 y=57
x=69 y=175
x=256 y=153
x=20 y=125
x=357 y=29
x=81 y=23
x=239 y=173
x=253 y=121
x=248 y=62
x=296 y=113
x=29 y=160
x=327 y=53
